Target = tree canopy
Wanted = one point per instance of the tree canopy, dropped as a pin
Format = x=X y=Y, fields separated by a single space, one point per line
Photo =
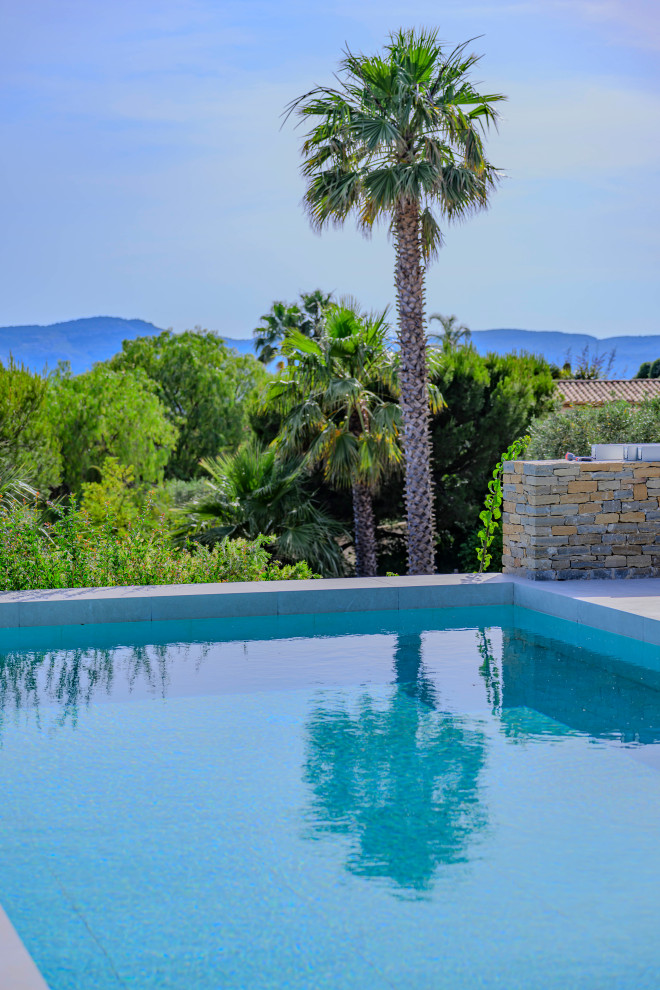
x=108 y=412
x=649 y=369
x=489 y=400
x=305 y=316
x=206 y=388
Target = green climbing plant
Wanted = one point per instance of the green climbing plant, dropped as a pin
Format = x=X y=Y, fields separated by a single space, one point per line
x=492 y=510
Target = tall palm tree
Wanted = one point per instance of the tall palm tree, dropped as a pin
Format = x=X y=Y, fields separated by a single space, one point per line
x=401 y=134
x=253 y=491
x=338 y=410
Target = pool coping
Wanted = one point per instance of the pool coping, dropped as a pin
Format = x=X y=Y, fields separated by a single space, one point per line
x=626 y=607
x=17 y=969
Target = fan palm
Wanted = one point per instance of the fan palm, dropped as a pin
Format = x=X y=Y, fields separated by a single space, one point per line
x=338 y=411
x=306 y=317
x=400 y=134
x=454 y=334
x=253 y=491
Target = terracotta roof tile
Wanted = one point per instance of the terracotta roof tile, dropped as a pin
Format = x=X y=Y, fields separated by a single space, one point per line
x=594 y=392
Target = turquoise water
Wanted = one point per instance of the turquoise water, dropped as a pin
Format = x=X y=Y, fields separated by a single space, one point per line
x=437 y=799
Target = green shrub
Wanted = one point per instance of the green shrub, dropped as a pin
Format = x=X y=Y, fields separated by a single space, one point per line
x=576 y=429
x=74 y=552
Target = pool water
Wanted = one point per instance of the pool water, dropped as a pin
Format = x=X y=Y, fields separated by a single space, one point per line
x=465 y=798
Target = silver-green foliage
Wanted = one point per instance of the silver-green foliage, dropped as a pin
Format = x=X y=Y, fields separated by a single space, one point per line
x=576 y=429
x=74 y=552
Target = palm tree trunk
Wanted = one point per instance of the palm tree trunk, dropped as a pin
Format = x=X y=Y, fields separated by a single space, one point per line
x=365 y=531
x=409 y=280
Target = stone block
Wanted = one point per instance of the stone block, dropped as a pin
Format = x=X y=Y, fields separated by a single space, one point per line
x=612 y=505
x=607 y=517
x=523 y=509
x=541 y=480
x=563 y=509
x=632 y=517
x=548 y=541
x=640 y=493
x=577 y=497
x=582 y=485
x=536 y=469
x=564 y=530
x=544 y=499
x=643 y=560
x=615 y=466
x=585 y=540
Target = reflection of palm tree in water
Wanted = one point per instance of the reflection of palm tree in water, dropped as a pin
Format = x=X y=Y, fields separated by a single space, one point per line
x=71 y=678
x=490 y=672
x=397 y=775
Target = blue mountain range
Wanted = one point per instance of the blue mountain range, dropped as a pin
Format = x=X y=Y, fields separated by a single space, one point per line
x=97 y=338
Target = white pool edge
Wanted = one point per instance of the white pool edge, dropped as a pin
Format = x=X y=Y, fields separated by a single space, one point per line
x=17 y=970
x=627 y=607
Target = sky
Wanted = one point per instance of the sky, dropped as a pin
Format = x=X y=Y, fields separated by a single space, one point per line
x=146 y=171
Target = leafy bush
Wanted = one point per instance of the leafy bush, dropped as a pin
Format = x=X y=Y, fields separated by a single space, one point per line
x=73 y=552
x=252 y=492
x=28 y=441
x=576 y=429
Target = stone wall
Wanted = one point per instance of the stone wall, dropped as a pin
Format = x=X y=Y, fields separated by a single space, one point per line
x=581 y=519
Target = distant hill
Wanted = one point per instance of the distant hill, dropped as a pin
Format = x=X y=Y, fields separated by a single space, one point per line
x=82 y=342
x=555 y=345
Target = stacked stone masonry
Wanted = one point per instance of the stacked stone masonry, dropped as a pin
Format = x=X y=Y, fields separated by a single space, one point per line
x=581 y=519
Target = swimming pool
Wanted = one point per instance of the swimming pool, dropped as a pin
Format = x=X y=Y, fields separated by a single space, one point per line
x=451 y=798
